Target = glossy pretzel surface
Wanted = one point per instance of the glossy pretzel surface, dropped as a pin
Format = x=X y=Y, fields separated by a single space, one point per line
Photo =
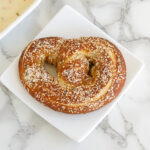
x=91 y=72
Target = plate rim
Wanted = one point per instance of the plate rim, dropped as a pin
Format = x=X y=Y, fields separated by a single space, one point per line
x=89 y=131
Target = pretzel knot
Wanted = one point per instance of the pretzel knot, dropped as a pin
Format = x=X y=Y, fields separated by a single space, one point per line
x=91 y=72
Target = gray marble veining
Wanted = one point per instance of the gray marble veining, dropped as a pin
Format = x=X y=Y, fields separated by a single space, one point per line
x=127 y=127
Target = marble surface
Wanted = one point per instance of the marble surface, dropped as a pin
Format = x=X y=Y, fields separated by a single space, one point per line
x=127 y=127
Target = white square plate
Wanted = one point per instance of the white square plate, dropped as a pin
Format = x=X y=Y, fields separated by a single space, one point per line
x=70 y=24
x=20 y=18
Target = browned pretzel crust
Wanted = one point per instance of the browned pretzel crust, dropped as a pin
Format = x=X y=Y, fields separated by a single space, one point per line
x=91 y=73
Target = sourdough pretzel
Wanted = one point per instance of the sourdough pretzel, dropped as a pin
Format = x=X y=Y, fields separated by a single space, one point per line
x=91 y=72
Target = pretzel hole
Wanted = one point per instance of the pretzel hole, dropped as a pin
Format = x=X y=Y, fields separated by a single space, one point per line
x=51 y=69
x=91 y=65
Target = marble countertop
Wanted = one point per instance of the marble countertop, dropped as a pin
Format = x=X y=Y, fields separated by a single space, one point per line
x=127 y=127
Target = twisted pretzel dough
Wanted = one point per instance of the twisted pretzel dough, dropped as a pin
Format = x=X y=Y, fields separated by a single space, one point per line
x=91 y=72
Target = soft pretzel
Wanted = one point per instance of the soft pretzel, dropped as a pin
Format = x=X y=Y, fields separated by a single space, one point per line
x=91 y=72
